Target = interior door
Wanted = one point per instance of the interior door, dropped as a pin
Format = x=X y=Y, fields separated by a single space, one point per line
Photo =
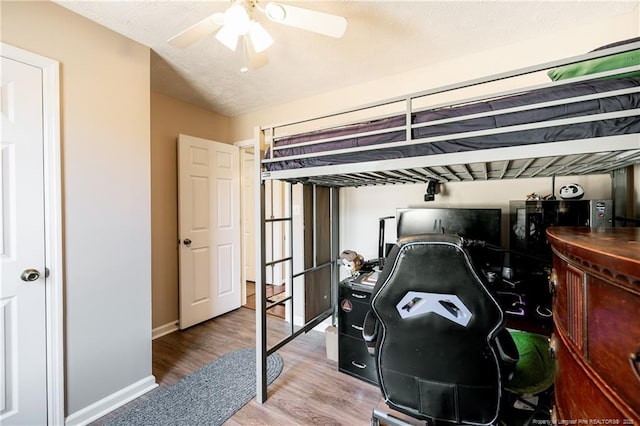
x=23 y=390
x=209 y=229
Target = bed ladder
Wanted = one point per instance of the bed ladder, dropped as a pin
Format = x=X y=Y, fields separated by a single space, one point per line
x=267 y=220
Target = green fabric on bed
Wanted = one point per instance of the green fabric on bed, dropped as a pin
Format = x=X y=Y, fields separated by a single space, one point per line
x=592 y=66
x=535 y=370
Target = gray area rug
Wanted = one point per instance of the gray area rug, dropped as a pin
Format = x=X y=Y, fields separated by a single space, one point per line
x=208 y=396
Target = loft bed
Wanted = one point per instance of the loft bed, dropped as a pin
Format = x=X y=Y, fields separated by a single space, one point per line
x=585 y=121
x=554 y=124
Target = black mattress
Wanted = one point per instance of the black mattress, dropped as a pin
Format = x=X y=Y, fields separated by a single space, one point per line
x=593 y=129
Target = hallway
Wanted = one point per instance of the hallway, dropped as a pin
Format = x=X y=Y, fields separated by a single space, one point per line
x=272 y=290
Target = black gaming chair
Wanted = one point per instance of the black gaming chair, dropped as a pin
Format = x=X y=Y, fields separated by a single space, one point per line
x=442 y=352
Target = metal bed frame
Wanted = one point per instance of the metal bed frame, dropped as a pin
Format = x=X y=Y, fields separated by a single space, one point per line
x=575 y=157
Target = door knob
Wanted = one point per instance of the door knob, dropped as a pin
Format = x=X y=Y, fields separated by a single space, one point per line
x=187 y=242
x=30 y=275
x=634 y=360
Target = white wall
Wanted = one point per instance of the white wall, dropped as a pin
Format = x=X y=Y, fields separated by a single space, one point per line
x=105 y=137
x=360 y=208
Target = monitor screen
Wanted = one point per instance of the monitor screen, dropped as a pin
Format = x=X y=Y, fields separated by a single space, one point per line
x=472 y=224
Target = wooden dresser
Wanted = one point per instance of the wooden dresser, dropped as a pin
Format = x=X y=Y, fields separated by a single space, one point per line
x=596 y=314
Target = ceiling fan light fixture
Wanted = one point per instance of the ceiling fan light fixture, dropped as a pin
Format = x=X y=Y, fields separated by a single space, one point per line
x=228 y=37
x=237 y=23
x=237 y=19
x=260 y=38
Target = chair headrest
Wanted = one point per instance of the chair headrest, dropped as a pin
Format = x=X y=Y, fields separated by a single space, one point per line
x=431 y=238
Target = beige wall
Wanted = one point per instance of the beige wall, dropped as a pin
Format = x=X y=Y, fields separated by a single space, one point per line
x=104 y=100
x=170 y=117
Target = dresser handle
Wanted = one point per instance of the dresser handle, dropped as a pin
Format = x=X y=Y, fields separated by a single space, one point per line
x=634 y=360
x=553 y=281
x=359 y=296
x=553 y=346
x=359 y=365
x=357 y=327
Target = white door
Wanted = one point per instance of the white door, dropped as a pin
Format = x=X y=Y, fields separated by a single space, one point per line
x=209 y=229
x=23 y=390
x=248 y=214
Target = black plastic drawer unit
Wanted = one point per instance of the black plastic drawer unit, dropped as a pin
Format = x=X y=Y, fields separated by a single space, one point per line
x=353 y=357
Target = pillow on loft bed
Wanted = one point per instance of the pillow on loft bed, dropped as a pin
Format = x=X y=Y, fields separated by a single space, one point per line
x=608 y=63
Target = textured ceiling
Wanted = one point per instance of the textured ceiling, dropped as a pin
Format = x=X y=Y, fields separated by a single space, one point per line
x=382 y=38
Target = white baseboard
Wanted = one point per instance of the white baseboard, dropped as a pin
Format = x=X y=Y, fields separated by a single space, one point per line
x=110 y=403
x=323 y=325
x=163 y=330
x=298 y=320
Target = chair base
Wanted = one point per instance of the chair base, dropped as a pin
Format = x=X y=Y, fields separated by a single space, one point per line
x=382 y=418
x=510 y=416
x=379 y=416
x=538 y=412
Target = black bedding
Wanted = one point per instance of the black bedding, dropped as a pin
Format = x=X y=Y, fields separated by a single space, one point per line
x=574 y=131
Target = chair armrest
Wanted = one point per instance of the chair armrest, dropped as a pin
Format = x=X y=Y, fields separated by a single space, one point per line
x=370 y=332
x=508 y=353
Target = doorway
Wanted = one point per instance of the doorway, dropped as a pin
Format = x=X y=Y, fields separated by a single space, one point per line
x=248 y=170
x=272 y=294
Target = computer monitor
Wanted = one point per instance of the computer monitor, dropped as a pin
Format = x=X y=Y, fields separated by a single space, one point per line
x=473 y=224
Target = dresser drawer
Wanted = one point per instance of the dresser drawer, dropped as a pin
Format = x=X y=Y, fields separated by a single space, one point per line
x=354 y=359
x=614 y=334
x=577 y=396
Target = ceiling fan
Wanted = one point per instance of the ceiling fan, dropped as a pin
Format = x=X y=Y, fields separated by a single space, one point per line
x=236 y=26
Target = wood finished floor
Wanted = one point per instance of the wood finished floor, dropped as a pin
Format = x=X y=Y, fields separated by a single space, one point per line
x=309 y=391
x=278 y=310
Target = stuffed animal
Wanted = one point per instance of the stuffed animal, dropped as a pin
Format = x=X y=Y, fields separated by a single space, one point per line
x=571 y=191
x=352 y=261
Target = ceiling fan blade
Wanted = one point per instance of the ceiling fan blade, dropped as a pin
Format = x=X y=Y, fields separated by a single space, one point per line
x=207 y=26
x=307 y=19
